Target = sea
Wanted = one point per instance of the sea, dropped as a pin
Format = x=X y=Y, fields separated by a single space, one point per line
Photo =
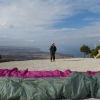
x=75 y=51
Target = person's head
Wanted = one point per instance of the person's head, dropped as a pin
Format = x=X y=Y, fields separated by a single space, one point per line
x=53 y=43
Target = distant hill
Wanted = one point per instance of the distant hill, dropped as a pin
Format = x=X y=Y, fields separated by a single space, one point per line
x=25 y=53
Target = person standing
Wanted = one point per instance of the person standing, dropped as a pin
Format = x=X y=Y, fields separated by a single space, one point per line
x=98 y=53
x=52 y=51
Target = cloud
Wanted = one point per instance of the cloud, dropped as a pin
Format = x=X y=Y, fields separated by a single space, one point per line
x=38 y=13
x=37 y=19
x=90 y=18
x=93 y=35
x=30 y=41
x=87 y=35
x=4 y=36
x=59 y=30
x=7 y=25
x=68 y=29
x=16 y=37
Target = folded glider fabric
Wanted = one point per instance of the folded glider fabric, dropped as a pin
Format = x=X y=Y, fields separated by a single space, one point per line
x=48 y=85
x=30 y=74
x=38 y=74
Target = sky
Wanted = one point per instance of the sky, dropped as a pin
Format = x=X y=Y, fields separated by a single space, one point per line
x=38 y=23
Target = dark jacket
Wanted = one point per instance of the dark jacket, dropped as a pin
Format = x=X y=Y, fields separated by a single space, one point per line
x=53 y=49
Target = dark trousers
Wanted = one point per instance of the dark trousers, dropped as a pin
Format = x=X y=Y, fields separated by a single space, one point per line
x=52 y=55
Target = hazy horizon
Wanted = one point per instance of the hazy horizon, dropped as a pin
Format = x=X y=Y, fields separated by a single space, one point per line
x=72 y=51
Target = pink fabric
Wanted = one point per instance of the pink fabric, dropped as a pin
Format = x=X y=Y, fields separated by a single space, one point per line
x=38 y=74
x=30 y=74
x=93 y=72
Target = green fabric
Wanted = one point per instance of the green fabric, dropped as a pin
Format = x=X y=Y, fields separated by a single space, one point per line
x=76 y=86
x=97 y=85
